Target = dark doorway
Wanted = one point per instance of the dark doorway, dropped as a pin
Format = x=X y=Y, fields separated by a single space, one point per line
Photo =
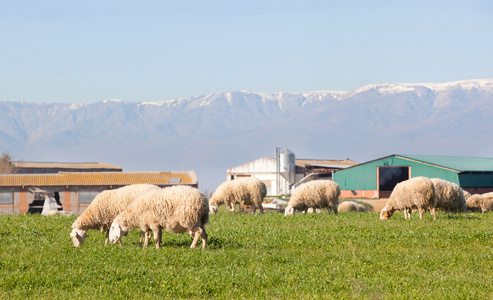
x=389 y=177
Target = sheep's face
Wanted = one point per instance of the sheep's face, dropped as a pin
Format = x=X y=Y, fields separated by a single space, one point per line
x=78 y=237
x=213 y=209
x=116 y=232
x=289 y=211
x=386 y=213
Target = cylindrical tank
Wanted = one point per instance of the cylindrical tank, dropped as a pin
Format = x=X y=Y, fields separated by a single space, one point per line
x=287 y=165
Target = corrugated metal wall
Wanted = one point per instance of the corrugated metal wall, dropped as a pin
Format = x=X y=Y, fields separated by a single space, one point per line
x=364 y=177
x=476 y=180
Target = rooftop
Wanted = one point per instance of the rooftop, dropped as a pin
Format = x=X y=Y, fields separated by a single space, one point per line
x=457 y=163
x=98 y=178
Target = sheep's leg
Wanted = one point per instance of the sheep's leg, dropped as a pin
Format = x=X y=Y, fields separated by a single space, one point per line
x=141 y=237
x=434 y=213
x=261 y=208
x=157 y=240
x=421 y=213
x=147 y=236
x=232 y=207
x=203 y=235
x=407 y=213
x=199 y=232
x=196 y=237
x=107 y=237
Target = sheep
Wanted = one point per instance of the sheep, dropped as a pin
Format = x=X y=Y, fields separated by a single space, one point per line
x=466 y=194
x=474 y=203
x=314 y=194
x=175 y=209
x=103 y=209
x=351 y=206
x=59 y=213
x=449 y=196
x=242 y=191
x=417 y=192
x=487 y=202
x=479 y=202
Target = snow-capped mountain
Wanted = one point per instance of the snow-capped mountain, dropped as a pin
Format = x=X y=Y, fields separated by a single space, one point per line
x=214 y=132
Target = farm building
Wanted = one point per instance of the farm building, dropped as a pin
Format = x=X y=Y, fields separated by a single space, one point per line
x=74 y=191
x=377 y=178
x=280 y=174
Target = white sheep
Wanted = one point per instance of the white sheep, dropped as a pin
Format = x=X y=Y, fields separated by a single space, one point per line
x=242 y=191
x=449 y=196
x=487 y=202
x=474 y=203
x=59 y=213
x=415 y=193
x=314 y=194
x=175 y=209
x=466 y=194
x=479 y=202
x=351 y=206
x=104 y=208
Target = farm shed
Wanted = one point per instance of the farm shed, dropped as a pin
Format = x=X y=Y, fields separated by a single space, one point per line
x=267 y=171
x=74 y=191
x=377 y=178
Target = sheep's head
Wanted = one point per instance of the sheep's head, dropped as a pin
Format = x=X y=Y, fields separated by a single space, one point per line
x=386 y=213
x=289 y=211
x=78 y=237
x=213 y=209
x=116 y=232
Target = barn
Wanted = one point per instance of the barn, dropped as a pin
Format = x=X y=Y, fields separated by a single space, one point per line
x=377 y=178
x=74 y=191
x=280 y=174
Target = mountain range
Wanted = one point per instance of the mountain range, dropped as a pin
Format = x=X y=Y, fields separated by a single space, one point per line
x=212 y=133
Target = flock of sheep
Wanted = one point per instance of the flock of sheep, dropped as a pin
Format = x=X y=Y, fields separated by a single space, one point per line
x=180 y=209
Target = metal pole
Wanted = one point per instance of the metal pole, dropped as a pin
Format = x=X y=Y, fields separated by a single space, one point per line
x=277 y=171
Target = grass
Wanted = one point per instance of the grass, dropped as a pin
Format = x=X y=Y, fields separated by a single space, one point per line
x=351 y=255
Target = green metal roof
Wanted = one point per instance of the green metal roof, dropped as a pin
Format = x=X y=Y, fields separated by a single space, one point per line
x=458 y=163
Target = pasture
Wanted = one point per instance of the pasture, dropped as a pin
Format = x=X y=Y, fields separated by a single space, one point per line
x=351 y=255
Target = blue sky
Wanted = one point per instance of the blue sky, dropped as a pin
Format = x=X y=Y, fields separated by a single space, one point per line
x=72 y=51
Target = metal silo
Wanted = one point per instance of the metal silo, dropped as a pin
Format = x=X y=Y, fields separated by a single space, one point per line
x=287 y=167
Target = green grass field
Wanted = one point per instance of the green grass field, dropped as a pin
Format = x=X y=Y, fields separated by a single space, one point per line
x=351 y=255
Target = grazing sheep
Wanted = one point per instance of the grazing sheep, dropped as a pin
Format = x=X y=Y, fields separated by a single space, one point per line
x=474 y=203
x=104 y=208
x=242 y=191
x=58 y=213
x=487 y=202
x=449 y=196
x=175 y=209
x=351 y=206
x=466 y=194
x=415 y=193
x=482 y=202
x=314 y=194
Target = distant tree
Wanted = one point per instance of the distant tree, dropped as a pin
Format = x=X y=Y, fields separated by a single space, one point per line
x=7 y=165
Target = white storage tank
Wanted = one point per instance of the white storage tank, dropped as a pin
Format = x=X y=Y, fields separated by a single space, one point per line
x=287 y=166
